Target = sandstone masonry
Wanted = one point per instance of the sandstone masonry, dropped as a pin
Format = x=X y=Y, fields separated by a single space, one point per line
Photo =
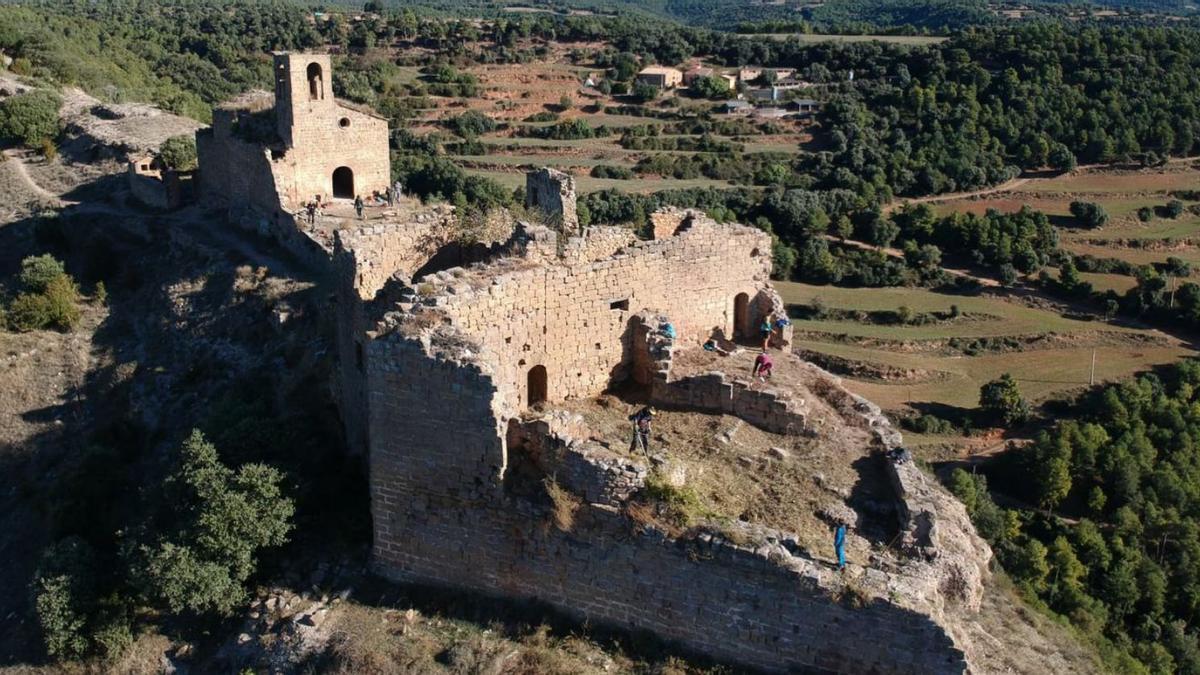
x=446 y=371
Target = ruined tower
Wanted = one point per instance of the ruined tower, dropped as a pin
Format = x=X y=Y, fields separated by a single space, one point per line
x=554 y=193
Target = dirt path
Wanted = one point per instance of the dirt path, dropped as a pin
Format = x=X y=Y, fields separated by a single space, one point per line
x=17 y=160
x=1011 y=185
x=897 y=253
x=1006 y=186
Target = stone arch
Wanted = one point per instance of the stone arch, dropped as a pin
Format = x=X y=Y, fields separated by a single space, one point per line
x=741 y=316
x=316 y=82
x=343 y=183
x=537 y=386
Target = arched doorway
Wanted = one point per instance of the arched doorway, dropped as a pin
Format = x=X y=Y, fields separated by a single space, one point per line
x=537 y=385
x=741 y=316
x=316 y=82
x=343 y=183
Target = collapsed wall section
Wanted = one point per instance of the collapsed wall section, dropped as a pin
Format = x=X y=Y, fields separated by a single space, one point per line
x=234 y=171
x=573 y=318
x=442 y=517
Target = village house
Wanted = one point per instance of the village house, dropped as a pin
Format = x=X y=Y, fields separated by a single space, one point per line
x=660 y=76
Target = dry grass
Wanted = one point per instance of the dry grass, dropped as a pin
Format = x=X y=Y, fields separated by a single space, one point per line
x=1060 y=363
x=723 y=470
x=851 y=594
x=564 y=504
x=372 y=640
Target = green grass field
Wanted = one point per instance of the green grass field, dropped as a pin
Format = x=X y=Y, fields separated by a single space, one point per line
x=954 y=380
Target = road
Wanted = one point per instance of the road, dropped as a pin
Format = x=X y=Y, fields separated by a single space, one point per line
x=897 y=253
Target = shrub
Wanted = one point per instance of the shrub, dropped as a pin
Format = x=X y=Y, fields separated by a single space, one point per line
x=645 y=92
x=608 y=171
x=30 y=118
x=1089 y=214
x=38 y=271
x=471 y=124
x=198 y=552
x=179 y=152
x=681 y=506
x=56 y=307
x=63 y=596
x=1174 y=208
x=1001 y=401
x=1145 y=214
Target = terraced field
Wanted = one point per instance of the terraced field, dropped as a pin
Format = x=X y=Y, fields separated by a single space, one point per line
x=1121 y=193
x=513 y=94
x=923 y=367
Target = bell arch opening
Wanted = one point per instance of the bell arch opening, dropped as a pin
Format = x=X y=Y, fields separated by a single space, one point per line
x=316 y=82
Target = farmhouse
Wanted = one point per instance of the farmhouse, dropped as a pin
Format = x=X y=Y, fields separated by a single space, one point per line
x=696 y=72
x=660 y=76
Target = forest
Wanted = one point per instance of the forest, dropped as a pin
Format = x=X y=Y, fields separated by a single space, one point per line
x=1110 y=534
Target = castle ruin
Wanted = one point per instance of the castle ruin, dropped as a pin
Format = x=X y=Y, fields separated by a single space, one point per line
x=464 y=382
x=478 y=379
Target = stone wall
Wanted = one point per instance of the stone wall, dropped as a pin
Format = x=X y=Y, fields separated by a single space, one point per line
x=553 y=192
x=574 y=317
x=164 y=192
x=713 y=392
x=234 y=172
x=442 y=517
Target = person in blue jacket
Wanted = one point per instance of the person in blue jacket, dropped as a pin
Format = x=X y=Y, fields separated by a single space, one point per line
x=839 y=545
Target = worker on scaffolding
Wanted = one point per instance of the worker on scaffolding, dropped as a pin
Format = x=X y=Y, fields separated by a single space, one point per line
x=641 y=430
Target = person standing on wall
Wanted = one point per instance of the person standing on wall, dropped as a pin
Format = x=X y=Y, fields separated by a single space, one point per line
x=391 y=196
x=358 y=206
x=764 y=331
x=839 y=545
x=641 y=430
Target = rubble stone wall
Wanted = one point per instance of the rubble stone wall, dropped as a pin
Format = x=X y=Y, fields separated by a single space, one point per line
x=553 y=191
x=441 y=517
x=235 y=172
x=575 y=319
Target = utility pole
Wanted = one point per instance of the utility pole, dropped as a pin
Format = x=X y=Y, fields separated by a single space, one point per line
x=1092 y=379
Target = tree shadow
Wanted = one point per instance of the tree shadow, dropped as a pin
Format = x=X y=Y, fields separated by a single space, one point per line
x=187 y=342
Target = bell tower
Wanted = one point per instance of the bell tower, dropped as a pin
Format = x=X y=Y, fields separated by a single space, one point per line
x=303 y=94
